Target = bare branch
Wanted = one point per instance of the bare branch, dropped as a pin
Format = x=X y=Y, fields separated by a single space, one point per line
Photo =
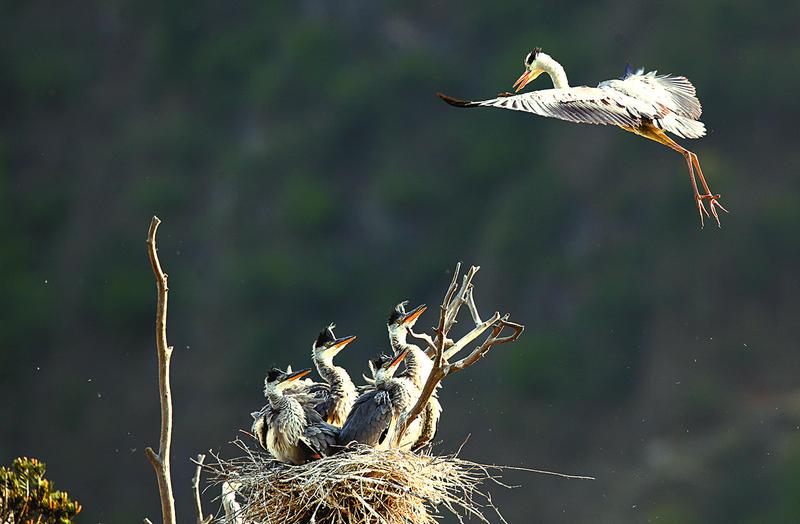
x=472 y=335
x=492 y=340
x=454 y=299
x=473 y=309
x=425 y=338
x=198 y=505
x=454 y=306
x=160 y=460
x=443 y=348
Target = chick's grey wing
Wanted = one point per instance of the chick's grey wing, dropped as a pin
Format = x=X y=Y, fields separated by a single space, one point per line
x=319 y=436
x=369 y=420
x=322 y=438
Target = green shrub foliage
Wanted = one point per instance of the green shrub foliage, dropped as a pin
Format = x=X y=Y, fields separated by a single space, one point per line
x=27 y=497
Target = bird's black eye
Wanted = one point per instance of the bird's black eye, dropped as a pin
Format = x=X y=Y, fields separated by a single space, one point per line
x=273 y=374
x=529 y=59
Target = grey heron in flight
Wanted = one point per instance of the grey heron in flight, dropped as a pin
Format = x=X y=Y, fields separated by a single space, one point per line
x=648 y=105
x=290 y=430
x=418 y=367
x=336 y=397
x=375 y=413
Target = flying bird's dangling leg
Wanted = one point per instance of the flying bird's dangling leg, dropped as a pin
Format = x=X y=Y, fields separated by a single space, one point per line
x=657 y=135
x=713 y=200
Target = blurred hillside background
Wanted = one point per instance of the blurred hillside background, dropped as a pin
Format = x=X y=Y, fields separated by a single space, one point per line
x=306 y=173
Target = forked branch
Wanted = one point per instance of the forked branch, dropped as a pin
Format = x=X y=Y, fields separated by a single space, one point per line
x=160 y=460
x=454 y=298
x=444 y=348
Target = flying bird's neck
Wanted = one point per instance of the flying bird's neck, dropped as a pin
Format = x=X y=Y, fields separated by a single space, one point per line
x=555 y=70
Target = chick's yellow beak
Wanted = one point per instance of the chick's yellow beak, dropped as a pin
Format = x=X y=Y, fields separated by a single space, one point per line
x=339 y=343
x=399 y=358
x=414 y=314
x=297 y=375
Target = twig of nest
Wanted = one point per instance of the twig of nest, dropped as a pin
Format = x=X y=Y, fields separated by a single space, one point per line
x=359 y=485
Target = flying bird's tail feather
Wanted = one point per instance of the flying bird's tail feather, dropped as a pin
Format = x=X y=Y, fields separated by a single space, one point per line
x=682 y=126
x=457 y=102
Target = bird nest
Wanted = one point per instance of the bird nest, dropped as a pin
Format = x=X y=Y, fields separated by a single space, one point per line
x=360 y=485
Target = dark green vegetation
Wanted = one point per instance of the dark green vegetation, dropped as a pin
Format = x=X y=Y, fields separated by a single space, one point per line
x=306 y=173
x=26 y=497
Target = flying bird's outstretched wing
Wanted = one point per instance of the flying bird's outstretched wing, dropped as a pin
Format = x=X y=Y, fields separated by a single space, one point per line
x=586 y=105
x=605 y=105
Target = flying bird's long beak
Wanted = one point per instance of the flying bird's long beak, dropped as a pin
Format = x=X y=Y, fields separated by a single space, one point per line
x=340 y=343
x=297 y=375
x=414 y=314
x=525 y=78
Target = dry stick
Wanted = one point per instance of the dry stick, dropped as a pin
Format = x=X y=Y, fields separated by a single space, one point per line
x=436 y=375
x=454 y=299
x=441 y=369
x=473 y=309
x=198 y=505
x=472 y=335
x=494 y=339
x=546 y=472
x=447 y=318
x=160 y=461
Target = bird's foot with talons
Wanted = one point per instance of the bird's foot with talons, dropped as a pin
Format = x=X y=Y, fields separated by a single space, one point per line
x=505 y=94
x=713 y=203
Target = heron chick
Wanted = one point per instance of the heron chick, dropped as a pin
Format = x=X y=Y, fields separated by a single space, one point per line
x=337 y=396
x=375 y=413
x=418 y=367
x=292 y=431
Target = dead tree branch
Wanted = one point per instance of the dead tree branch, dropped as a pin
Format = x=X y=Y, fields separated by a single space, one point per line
x=455 y=297
x=160 y=461
x=198 y=504
x=444 y=348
